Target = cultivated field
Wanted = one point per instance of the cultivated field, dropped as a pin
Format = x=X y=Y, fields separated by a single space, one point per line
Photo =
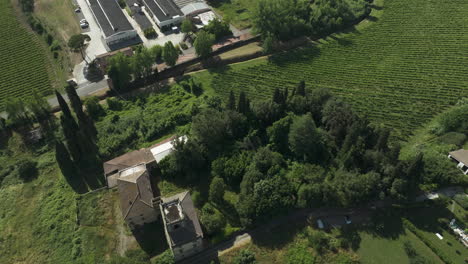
x=407 y=64
x=23 y=63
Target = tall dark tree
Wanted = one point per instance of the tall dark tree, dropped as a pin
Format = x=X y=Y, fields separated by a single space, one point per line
x=243 y=104
x=85 y=123
x=300 y=90
x=232 y=101
x=63 y=105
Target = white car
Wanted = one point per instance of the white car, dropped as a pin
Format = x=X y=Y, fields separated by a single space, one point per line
x=84 y=25
x=78 y=10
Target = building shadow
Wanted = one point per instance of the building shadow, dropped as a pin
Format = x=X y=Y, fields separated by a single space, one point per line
x=151 y=238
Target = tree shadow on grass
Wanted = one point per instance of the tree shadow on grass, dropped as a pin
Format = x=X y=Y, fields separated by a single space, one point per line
x=151 y=238
x=277 y=237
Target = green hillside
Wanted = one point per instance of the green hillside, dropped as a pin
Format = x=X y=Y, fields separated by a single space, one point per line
x=405 y=65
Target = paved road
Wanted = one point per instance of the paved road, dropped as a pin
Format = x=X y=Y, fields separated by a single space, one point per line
x=82 y=91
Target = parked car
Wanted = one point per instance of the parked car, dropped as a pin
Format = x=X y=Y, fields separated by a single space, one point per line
x=84 y=25
x=347 y=219
x=78 y=10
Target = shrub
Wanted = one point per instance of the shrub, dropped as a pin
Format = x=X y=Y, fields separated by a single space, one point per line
x=462 y=200
x=212 y=219
x=245 y=257
x=122 y=3
x=164 y=258
x=183 y=45
x=93 y=107
x=150 y=33
x=114 y=104
x=26 y=169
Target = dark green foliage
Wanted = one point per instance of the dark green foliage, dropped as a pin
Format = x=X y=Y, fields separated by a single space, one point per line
x=150 y=33
x=454 y=120
x=170 y=54
x=243 y=105
x=85 y=123
x=337 y=118
x=281 y=19
x=203 y=44
x=266 y=112
x=330 y=16
x=27 y=6
x=213 y=221
x=299 y=254
x=164 y=258
x=114 y=104
x=462 y=200
x=77 y=43
x=26 y=169
x=245 y=257
x=306 y=141
x=63 y=105
x=318 y=240
x=187 y=161
x=218 y=28
x=156 y=52
x=187 y=26
x=231 y=169
x=232 y=101
x=453 y=138
x=93 y=107
x=119 y=71
x=278 y=134
x=217 y=189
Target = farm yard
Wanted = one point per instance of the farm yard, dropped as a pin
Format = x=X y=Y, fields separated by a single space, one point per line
x=24 y=64
x=407 y=64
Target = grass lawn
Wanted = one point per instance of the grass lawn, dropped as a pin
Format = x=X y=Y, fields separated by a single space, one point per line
x=401 y=67
x=426 y=220
x=242 y=51
x=237 y=12
x=378 y=250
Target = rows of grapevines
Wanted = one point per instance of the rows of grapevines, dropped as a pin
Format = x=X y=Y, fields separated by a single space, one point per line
x=23 y=64
x=409 y=65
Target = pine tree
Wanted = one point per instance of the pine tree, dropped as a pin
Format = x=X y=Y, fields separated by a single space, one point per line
x=301 y=89
x=232 y=101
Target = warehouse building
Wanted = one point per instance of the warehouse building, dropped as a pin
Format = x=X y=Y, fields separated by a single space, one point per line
x=115 y=28
x=164 y=12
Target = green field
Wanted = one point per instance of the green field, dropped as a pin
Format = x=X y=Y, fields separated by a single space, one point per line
x=378 y=250
x=405 y=65
x=24 y=65
x=237 y=12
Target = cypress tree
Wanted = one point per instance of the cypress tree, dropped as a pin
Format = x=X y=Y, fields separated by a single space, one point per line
x=277 y=96
x=85 y=123
x=63 y=105
x=301 y=89
x=242 y=105
x=232 y=101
